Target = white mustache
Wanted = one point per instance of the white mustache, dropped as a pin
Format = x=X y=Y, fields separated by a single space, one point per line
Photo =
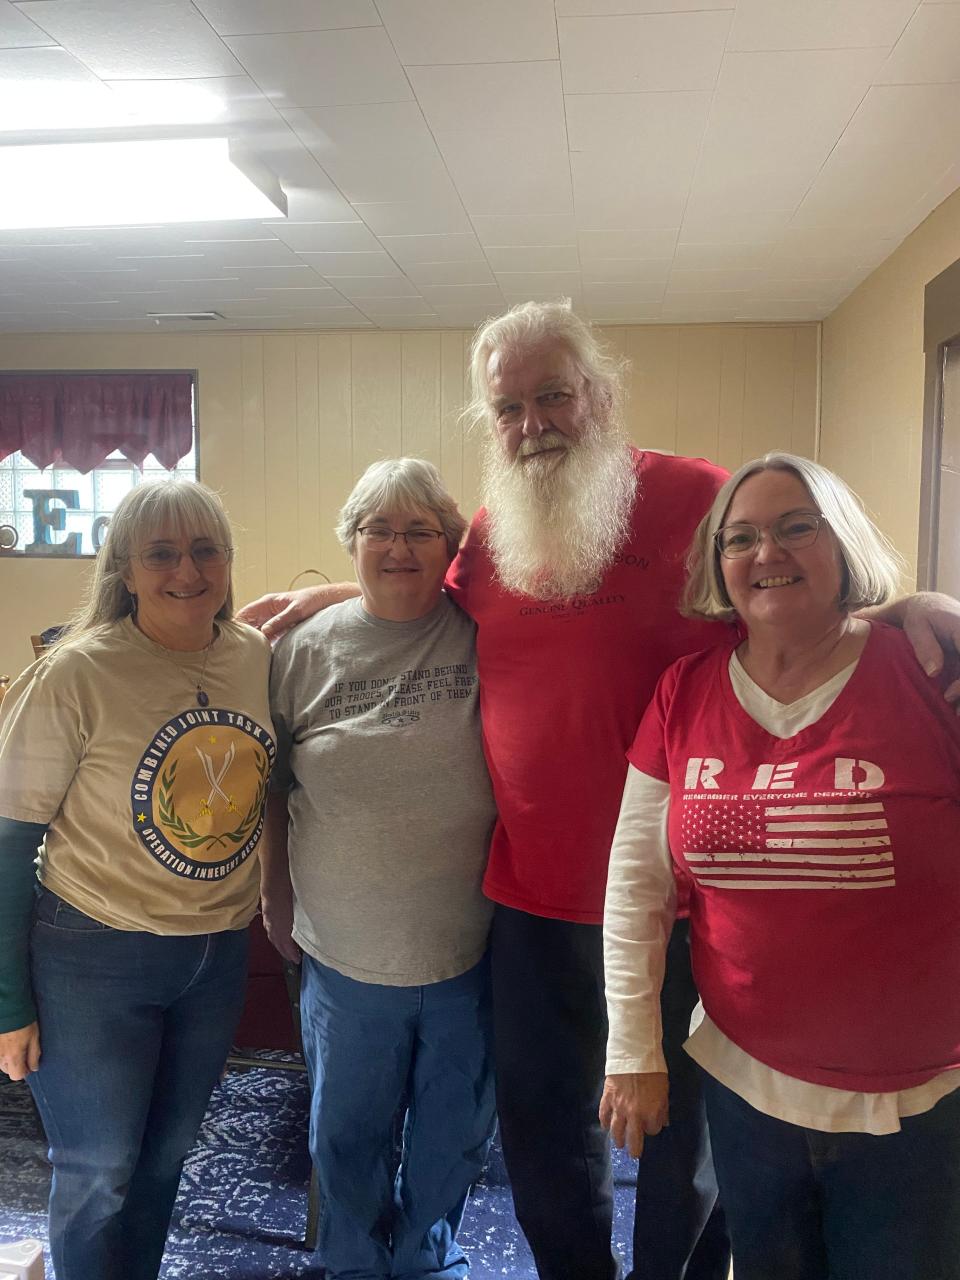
x=539 y=444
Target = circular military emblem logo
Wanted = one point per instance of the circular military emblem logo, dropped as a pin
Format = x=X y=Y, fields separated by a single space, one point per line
x=199 y=790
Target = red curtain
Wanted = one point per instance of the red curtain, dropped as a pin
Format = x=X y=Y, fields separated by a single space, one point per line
x=78 y=419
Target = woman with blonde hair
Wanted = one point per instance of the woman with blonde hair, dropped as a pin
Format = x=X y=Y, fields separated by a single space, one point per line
x=802 y=784
x=135 y=757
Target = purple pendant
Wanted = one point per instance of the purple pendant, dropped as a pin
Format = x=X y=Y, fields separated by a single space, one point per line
x=202 y=697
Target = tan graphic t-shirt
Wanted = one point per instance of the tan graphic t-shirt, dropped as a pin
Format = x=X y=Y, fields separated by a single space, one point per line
x=154 y=804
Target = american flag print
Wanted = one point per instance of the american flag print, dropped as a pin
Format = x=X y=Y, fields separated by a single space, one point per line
x=768 y=844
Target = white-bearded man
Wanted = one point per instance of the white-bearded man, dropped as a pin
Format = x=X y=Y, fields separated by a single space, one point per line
x=572 y=572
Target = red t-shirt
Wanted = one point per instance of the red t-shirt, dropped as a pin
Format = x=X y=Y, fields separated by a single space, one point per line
x=825 y=867
x=563 y=686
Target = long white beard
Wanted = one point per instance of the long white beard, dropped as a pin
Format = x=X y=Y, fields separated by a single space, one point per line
x=555 y=526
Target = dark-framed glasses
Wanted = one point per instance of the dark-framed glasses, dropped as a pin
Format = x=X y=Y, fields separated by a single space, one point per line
x=791 y=531
x=205 y=555
x=378 y=535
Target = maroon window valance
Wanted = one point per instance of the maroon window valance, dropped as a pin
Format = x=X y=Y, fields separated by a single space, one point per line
x=79 y=419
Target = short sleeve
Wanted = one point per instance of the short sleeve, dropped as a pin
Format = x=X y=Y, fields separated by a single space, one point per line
x=42 y=739
x=460 y=573
x=648 y=752
x=281 y=711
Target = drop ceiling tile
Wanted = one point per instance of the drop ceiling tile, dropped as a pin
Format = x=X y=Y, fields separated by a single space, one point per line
x=413 y=218
x=729 y=257
x=606 y=8
x=429 y=320
x=374 y=152
x=17 y=31
x=206 y=291
x=539 y=283
x=522 y=101
x=479 y=295
x=362 y=287
x=702 y=309
x=276 y=277
x=215 y=100
x=818 y=24
x=626 y=270
x=929 y=50
x=887 y=156
x=525 y=229
x=657 y=242
x=621 y=294
x=734 y=229
x=722 y=188
x=427 y=275
x=642 y=53
x=172 y=267
x=614 y=313
x=264 y=17
x=410 y=250
x=376 y=308
x=527 y=258
x=327 y=237
x=769 y=106
x=459 y=31
x=462 y=317
x=660 y=128
x=511 y=299
x=265 y=251
x=782 y=310
x=733 y=281
x=607 y=197
x=323 y=68
x=809 y=290
x=49 y=89
x=320 y=299
x=377 y=263
x=493 y=176
x=134 y=39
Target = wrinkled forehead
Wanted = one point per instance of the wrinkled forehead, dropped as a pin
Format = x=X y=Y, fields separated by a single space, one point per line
x=176 y=526
x=518 y=369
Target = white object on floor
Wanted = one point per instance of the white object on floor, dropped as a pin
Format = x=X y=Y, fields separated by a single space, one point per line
x=22 y=1261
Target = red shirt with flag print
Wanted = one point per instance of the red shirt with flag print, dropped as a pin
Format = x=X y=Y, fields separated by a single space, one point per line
x=825 y=867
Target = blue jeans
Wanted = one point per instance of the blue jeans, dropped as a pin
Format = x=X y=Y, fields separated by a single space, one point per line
x=806 y=1205
x=369 y=1047
x=134 y=1032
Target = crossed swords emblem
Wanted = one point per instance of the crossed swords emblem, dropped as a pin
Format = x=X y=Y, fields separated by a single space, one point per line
x=216 y=781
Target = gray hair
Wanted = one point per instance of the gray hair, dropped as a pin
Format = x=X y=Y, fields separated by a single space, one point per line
x=185 y=505
x=528 y=325
x=871 y=567
x=406 y=484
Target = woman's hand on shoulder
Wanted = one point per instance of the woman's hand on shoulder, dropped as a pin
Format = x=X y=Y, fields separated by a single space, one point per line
x=634 y=1105
x=20 y=1051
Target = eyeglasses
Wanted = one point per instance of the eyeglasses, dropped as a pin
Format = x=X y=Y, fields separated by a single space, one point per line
x=378 y=535
x=791 y=531
x=205 y=555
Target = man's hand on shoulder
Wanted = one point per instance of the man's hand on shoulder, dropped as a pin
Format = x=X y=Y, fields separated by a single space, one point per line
x=633 y=1106
x=278 y=612
x=931 y=622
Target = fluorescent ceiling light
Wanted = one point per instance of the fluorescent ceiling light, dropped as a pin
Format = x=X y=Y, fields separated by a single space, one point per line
x=110 y=184
x=28 y=105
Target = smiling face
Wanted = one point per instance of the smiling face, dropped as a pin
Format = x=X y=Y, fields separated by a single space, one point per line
x=772 y=586
x=176 y=606
x=540 y=402
x=401 y=581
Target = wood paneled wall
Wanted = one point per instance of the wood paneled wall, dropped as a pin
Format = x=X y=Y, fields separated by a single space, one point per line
x=288 y=421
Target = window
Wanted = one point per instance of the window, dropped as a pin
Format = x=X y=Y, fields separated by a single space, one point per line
x=73 y=443
x=84 y=502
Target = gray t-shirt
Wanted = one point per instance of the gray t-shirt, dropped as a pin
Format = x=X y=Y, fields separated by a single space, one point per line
x=391 y=809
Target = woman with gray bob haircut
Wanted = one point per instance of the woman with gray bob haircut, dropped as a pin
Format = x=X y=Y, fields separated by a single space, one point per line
x=871 y=567
x=798 y=790
x=135 y=756
x=378 y=829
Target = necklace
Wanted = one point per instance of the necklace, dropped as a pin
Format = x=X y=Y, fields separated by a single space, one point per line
x=203 y=698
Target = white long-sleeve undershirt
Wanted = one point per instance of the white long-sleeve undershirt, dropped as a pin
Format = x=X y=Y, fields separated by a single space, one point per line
x=638 y=916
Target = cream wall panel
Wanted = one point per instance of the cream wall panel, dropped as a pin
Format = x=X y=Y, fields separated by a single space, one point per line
x=420 y=411
x=335 y=382
x=251 y=517
x=872 y=378
x=288 y=421
x=806 y=392
x=376 y=397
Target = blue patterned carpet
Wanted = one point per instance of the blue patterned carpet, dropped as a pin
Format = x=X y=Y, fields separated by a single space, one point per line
x=242 y=1205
